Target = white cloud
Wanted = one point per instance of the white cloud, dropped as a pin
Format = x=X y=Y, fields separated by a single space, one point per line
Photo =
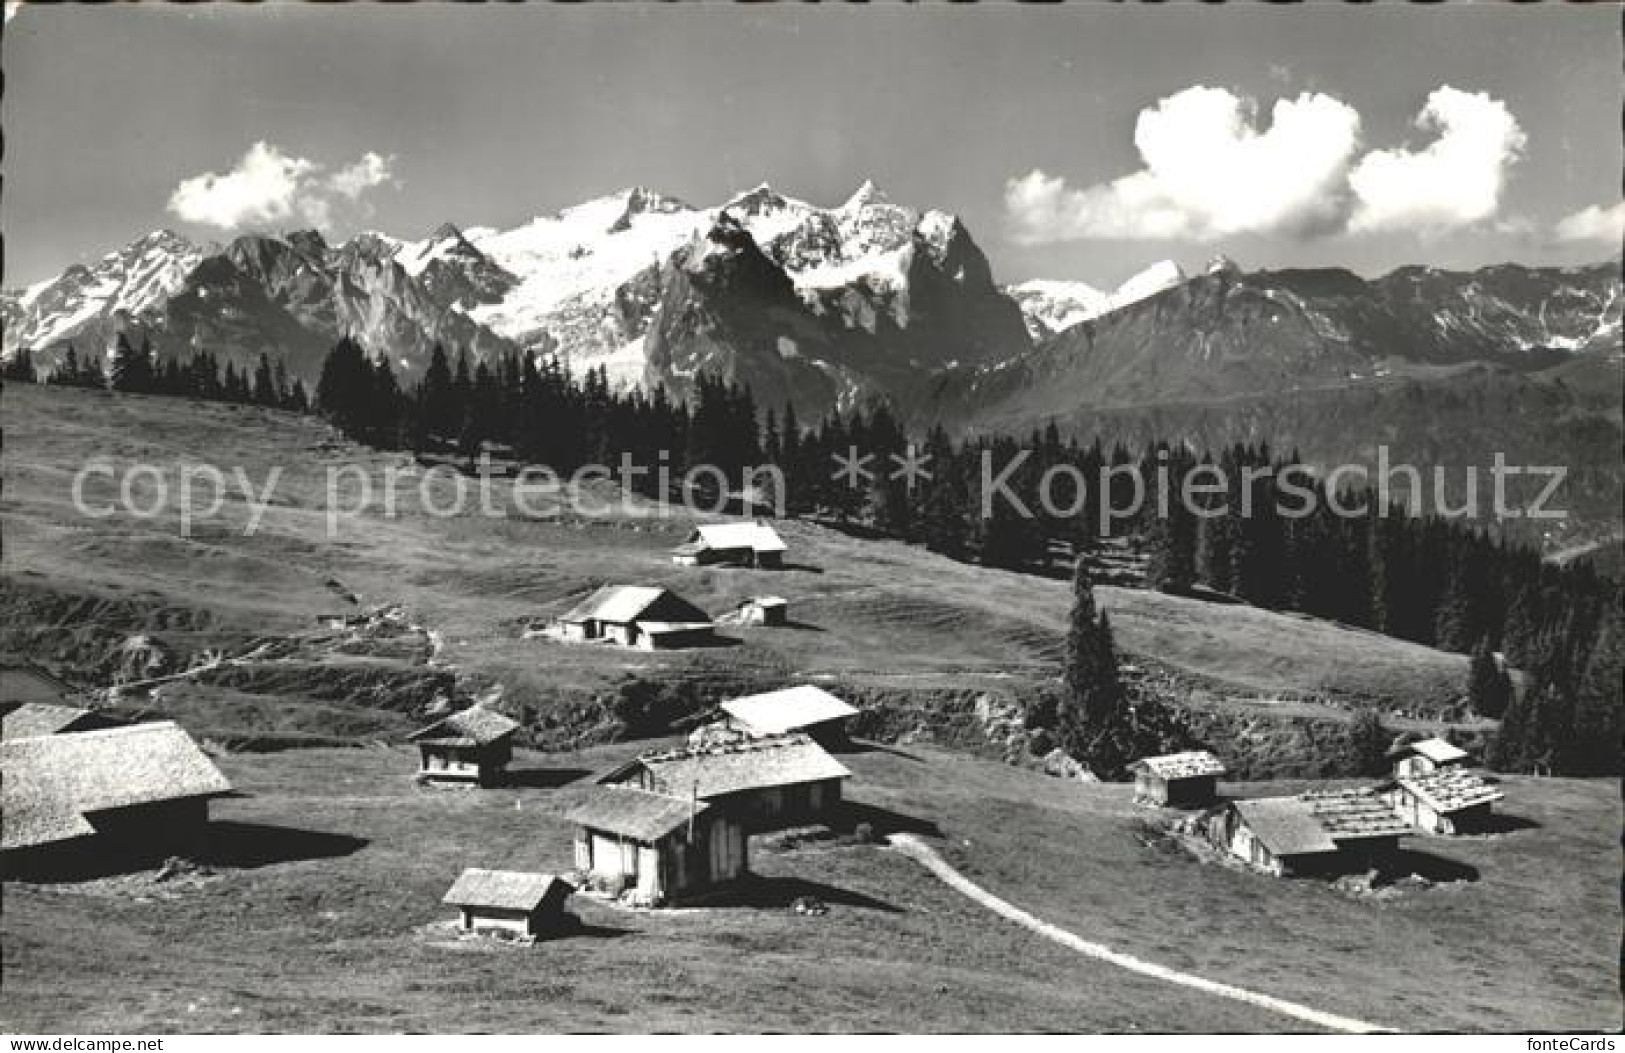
x=1453 y=181
x=1594 y=223
x=268 y=187
x=1212 y=168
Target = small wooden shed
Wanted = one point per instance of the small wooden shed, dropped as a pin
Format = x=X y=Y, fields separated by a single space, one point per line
x=510 y=901
x=644 y=616
x=473 y=745
x=764 y=610
x=753 y=544
x=805 y=708
x=1426 y=755
x=1278 y=835
x=1449 y=800
x=662 y=848
x=763 y=784
x=1177 y=780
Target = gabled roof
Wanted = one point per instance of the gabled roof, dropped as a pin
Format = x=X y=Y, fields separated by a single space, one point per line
x=504 y=889
x=1285 y=825
x=50 y=784
x=1353 y=815
x=756 y=536
x=766 y=601
x=634 y=813
x=1180 y=765
x=621 y=604
x=30 y=719
x=1435 y=749
x=475 y=726
x=752 y=764
x=1451 y=789
x=793 y=708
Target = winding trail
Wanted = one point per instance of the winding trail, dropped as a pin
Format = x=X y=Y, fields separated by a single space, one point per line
x=927 y=856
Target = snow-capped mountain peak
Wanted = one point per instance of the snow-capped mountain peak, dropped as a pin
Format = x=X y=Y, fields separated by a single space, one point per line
x=1053 y=306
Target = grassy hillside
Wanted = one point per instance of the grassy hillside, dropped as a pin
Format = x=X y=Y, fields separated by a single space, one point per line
x=323 y=914
x=881 y=617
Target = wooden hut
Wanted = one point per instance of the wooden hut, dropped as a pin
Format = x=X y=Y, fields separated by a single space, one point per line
x=644 y=616
x=752 y=544
x=1449 y=800
x=764 y=610
x=807 y=709
x=473 y=745
x=510 y=901
x=1364 y=827
x=1426 y=755
x=1177 y=780
x=1278 y=835
x=764 y=784
x=661 y=848
x=139 y=792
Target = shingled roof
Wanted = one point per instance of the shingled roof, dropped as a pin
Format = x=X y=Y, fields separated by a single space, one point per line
x=1353 y=815
x=1451 y=790
x=634 y=813
x=1434 y=749
x=751 y=764
x=1285 y=825
x=504 y=889
x=759 y=537
x=52 y=783
x=621 y=604
x=793 y=708
x=1180 y=765
x=475 y=726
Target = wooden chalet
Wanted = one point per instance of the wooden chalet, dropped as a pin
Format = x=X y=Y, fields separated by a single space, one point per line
x=807 y=709
x=659 y=847
x=1177 y=780
x=1449 y=800
x=1362 y=825
x=138 y=792
x=643 y=616
x=472 y=746
x=1426 y=755
x=510 y=901
x=764 y=784
x=752 y=544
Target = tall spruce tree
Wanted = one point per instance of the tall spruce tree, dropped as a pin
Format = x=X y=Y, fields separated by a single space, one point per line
x=1093 y=724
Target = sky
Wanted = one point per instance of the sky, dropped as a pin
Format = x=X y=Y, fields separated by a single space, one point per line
x=1080 y=142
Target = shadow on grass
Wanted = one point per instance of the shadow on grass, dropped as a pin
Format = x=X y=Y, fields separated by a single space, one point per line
x=1437 y=869
x=778 y=893
x=804 y=627
x=251 y=845
x=1499 y=823
x=883 y=821
x=803 y=568
x=867 y=746
x=542 y=778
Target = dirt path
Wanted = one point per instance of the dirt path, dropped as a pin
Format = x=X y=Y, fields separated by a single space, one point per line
x=916 y=849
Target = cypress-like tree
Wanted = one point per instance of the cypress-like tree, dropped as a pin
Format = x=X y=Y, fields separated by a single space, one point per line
x=1489 y=686
x=1093 y=722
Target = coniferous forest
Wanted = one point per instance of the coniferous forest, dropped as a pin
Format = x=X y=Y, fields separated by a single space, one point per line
x=1265 y=533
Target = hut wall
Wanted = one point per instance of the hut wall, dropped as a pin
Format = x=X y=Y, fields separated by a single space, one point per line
x=1191 y=793
x=1150 y=787
x=515 y=921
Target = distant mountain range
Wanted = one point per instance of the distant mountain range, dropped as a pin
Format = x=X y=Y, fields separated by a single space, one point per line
x=871 y=300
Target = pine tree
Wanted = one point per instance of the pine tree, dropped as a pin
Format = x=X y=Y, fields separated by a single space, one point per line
x=1488 y=684
x=1599 y=710
x=1093 y=723
x=1368 y=745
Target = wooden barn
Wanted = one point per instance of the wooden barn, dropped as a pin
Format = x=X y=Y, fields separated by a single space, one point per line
x=1278 y=835
x=764 y=784
x=752 y=544
x=472 y=746
x=644 y=616
x=1327 y=832
x=764 y=610
x=661 y=848
x=139 y=792
x=1448 y=800
x=808 y=709
x=1426 y=755
x=510 y=901
x=1177 y=780
x=26 y=720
